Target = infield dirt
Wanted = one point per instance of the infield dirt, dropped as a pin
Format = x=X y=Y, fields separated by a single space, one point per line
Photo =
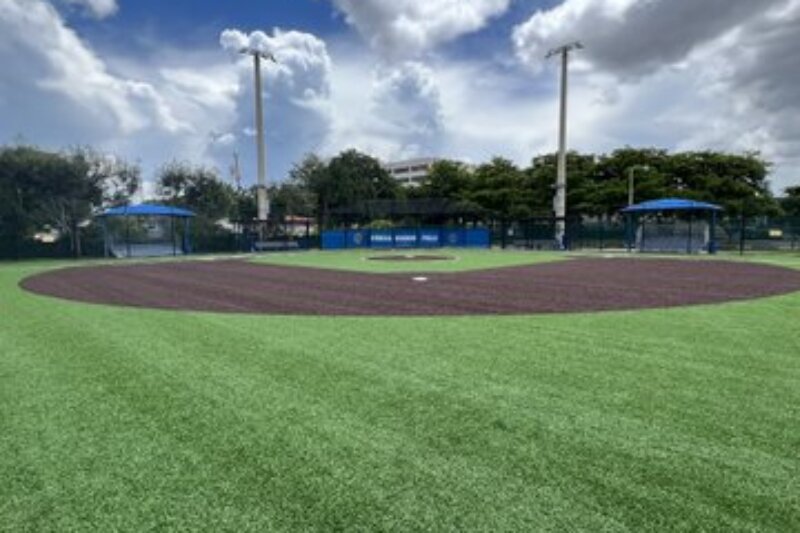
x=578 y=285
x=411 y=257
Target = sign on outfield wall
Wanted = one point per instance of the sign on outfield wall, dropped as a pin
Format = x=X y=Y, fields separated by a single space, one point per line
x=406 y=238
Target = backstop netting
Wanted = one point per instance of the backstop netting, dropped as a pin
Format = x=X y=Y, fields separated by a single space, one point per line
x=145 y=236
x=671 y=236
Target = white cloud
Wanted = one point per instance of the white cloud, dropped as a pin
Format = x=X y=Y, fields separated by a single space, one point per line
x=406 y=28
x=37 y=42
x=296 y=92
x=97 y=8
x=57 y=91
x=723 y=70
x=632 y=37
x=406 y=100
x=389 y=111
x=451 y=109
x=727 y=83
x=302 y=66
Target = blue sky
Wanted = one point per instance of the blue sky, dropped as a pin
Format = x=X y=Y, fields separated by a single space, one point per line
x=155 y=81
x=191 y=23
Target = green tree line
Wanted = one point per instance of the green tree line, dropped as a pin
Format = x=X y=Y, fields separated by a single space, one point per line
x=598 y=184
x=62 y=191
x=57 y=191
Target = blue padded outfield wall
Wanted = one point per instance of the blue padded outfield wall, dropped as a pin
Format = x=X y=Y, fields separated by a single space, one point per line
x=406 y=238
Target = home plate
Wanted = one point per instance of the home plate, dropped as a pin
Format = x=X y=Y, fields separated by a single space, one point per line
x=420 y=279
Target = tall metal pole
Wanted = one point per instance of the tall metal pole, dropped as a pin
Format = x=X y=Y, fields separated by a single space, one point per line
x=632 y=181
x=560 y=206
x=630 y=185
x=236 y=171
x=261 y=189
x=560 y=199
x=261 y=186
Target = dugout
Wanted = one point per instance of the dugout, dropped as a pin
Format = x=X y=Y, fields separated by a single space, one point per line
x=146 y=230
x=672 y=225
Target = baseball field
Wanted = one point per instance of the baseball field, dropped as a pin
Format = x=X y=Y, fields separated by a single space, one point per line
x=491 y=391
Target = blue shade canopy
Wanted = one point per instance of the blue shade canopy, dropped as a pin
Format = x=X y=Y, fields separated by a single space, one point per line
x=147 y=210
x=671 y=204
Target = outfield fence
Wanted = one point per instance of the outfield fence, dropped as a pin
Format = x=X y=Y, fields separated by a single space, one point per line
x=749 y=234
x=737 y=234
x=406 y=238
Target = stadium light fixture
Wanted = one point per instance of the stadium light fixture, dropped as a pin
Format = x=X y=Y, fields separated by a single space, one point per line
x=560 y=199
x=261 y=188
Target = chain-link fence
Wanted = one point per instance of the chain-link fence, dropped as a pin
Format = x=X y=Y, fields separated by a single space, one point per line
x=748 y=234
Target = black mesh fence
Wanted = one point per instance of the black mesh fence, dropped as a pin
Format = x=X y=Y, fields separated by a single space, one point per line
x=753 y=234
x=732 y=234
x=749 y=234
x=539 y=233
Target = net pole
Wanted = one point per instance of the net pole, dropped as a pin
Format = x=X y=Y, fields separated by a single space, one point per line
x=127 y=236
x=172 y=235
x=741 y=234
x=105 y=237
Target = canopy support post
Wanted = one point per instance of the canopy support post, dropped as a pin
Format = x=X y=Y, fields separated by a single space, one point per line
x=187 y=240
x=172 y=235
x=105 y=238
x=127 y=237
x=628 y=232
x=712 y=238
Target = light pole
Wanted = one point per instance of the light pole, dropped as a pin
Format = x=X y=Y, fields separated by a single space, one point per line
x=560 y=199
x=261 y=188
x=236 y=171
x=631 y=184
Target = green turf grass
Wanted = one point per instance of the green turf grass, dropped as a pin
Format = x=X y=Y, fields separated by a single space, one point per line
x=464 y=259
x=790 y=260
x=124 y=419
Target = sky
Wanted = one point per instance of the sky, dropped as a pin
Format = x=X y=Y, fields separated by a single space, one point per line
x=155 y=81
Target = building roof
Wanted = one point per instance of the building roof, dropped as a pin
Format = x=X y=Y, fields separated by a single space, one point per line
x=144 y=210
x=411 y=162
x=671 y=204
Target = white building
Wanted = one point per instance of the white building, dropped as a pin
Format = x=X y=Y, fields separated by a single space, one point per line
x=410 y=172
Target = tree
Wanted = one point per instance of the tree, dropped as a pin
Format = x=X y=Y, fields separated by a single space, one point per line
x=18 y=193
x=311 y=176
x=357 y=177
x=245 y=204
x=346 y=181
x=446 y=179
x=200 y=190
x=598 y=185
x=791 y=203
x=737 y=182
x=499 y=188
x=609 y=179
x=197 y=188
x=581 y=187
x=60 y=190
x=290 y=199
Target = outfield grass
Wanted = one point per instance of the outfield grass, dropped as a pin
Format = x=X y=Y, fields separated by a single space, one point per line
x=789 y=260
x=464 y=259
x=124 y=419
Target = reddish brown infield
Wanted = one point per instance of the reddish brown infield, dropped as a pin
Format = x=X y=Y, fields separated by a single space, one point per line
x=578 y=285
x=412 y=257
